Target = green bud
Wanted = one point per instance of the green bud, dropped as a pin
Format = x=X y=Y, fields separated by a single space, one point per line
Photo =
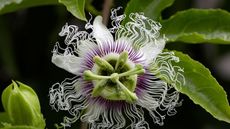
x=22 y=105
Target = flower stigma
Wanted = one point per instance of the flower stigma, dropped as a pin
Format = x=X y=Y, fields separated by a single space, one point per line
x=121 y=74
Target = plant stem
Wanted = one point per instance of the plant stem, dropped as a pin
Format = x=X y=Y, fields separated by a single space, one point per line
x=84 y=125
x=106 y=11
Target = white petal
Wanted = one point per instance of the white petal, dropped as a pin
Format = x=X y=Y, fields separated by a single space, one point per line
x=68 y=62
x=86 y=48
x=101 y=33
x=151 y=50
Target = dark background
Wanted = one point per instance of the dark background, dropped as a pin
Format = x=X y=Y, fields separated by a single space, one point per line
x=27 y=38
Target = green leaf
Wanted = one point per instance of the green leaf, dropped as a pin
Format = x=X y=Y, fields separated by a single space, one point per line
x=150 y=8
x=7 y=6
x=3 y=3
x=202 y=88
x=198 y=26
x=76 y=7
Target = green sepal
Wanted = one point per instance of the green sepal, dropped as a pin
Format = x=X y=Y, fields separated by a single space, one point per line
x=22 y=105
x=8 y=126
x=4 y=118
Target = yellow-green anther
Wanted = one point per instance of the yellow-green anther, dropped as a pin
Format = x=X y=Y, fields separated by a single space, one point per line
x=103 y=63
x=138 y=66
x=88 y=75
x=130 y=96
x=122 y=59
x=99 y=88
x=137 y=70
x=22 y=106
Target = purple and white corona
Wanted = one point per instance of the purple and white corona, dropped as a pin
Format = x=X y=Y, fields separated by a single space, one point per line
x=120 y=73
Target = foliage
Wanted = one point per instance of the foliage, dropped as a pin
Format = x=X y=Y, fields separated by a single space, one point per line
x=188 y=26
x=151 y=8
x=202 y=88
x=7 y=6
x=76 y=7
x=198 y=26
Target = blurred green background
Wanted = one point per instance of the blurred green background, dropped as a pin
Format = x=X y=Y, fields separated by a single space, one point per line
x=27 y=38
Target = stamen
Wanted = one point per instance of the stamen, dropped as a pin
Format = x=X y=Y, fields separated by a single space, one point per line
x=99 y=88
x=103 y=63
x=88 y=75
x=137 y=70
x=103 y=83
x=130 y=96
x=122 y=59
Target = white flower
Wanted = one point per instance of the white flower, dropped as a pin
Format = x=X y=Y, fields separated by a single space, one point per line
x=115 y=74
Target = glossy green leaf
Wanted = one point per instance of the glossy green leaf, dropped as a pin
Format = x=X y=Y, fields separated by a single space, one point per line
x=4 y=3
x=76 y=7
x=198 y=26
x=202 y=88
x=14 y=5
x=150 y=8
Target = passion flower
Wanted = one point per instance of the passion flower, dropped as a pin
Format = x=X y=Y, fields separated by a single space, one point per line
x=119 y=73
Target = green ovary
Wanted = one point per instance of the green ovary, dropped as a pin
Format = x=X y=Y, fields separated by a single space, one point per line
x=114 y=77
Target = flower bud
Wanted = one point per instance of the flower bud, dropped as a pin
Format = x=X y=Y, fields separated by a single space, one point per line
x=22 y=105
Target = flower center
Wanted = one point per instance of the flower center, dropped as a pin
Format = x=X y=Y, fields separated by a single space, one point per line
x=114 y=77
